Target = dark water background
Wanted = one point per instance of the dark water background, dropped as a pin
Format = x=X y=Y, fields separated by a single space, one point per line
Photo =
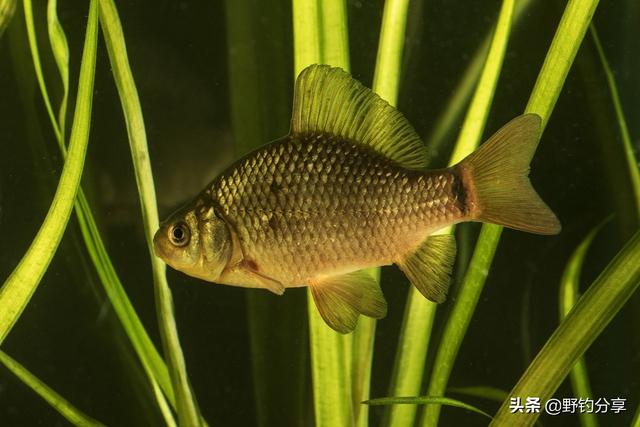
x=181 y=55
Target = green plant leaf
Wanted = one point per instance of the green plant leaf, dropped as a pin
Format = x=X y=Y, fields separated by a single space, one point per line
x=569 y=290
x=569 y=35
x=66 y=409
x=260 y=71
x=632 y=163
x=7 y=10
x=462 y=93
x=419 y=312
x=484 y=392
x=386 y=83
x=330 y=352
x=473 y=284
x=23 y=281
x=188 y=413
x=584 y=323
x=386 y=79
x=35 y=53
x=60 y=50
x=425 y=400
x=152 y=363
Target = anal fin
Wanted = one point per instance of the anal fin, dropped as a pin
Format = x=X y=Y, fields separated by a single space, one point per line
x=429 y=267
x=340 y=299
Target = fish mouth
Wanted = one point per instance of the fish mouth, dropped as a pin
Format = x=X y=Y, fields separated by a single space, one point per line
x=158 y=247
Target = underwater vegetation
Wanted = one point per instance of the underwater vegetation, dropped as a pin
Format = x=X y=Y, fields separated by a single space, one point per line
x=113 y=113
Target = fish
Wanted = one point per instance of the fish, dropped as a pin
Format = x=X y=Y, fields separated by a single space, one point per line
x=348 y=189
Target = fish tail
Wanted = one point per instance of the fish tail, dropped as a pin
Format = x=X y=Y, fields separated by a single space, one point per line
x=496 y=182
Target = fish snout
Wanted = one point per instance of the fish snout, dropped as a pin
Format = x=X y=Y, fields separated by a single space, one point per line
x=159 y=242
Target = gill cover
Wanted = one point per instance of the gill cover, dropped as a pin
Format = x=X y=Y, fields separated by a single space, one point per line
x=196 y=241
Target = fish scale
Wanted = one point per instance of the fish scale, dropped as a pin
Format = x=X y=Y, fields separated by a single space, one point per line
x=331 y=197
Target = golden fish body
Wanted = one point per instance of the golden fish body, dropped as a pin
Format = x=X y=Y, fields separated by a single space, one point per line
x=311 y=206
x=346 y=190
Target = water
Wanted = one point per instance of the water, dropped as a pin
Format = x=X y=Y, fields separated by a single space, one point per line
x=185 y=56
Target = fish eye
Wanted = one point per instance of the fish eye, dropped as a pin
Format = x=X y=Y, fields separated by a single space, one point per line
x=179 y=234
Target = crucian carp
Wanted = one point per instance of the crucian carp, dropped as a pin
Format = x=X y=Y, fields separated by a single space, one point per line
x=345 y=190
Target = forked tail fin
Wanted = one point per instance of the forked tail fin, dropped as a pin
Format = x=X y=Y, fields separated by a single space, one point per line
x=495 y=178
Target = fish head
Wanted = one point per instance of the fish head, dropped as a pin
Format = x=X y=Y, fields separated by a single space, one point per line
x=196 y=241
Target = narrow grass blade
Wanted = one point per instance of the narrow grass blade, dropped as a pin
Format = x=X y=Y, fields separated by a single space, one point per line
x=636 y=418
x=483 y=392
x=35 y=53
x=334 y=50
x=7 y=10
x=306 y=34
x=358 y=347
x=550 y=80
x=386 y=79
x=474 y=280
x=23 y=281
x=445 y=122
x=461 y=314
x=411 y=354
x=632 y=163
x=66 y=409
x=334 y=34
x=564 y=47
x=330 y=352
x=419 y=312
x=279 y=352
x=604 y=298
x=152 y=363
x=425 y=400
x=569 y=290
x=188 y=413
x=475 y=120
x=60 y=50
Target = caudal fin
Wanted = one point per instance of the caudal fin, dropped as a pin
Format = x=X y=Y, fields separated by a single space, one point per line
x=496 y=179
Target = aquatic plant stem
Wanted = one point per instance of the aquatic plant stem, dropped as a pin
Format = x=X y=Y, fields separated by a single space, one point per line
x=7 y=12
x=419 y=312
x=569 y=291
x=260 y=70
x=334 y=50
x=330 y=352
x=33 y=44
x=584 y=323
x=306 y=37
x=66 y=409
x=151 y=361
x=466 y=85
x=424 y=400
x=473 y=283
x=23 y=281
x=632 y=163
x=386 y=79
x=569 y=35
x=334 y=33
x=188 y=413
x=60 y=50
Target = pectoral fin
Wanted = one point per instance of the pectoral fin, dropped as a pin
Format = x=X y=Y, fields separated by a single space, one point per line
x=429 y=267
x=340 y=299
x=246 y=274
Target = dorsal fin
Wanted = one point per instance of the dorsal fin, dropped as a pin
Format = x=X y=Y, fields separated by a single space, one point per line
x=328 y=100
